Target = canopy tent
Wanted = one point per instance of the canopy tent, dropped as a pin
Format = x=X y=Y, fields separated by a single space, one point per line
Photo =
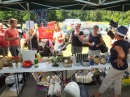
x=29 y=5
x=115 y=5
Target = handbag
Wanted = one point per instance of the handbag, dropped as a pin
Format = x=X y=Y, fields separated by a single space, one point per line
x=111 y=34
x=103 y=48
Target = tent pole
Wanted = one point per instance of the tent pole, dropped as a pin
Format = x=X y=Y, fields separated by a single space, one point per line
x=29 y=25
x=122 y=14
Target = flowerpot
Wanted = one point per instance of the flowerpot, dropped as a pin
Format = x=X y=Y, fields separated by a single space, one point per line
x=55 y=64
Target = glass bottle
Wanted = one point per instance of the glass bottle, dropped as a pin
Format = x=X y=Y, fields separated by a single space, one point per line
x=74 y=59
x=36 y=61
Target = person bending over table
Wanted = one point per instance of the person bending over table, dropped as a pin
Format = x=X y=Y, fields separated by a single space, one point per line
x=12 y=35
x=118 y=61
x=94 y=41
x=76 y=37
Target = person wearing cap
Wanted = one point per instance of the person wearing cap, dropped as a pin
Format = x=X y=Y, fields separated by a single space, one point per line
x=119 y=64
x=76 y=37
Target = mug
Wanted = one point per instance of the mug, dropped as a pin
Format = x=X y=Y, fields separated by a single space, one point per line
x=19 y=64
x=14 y=65
x=47 y=64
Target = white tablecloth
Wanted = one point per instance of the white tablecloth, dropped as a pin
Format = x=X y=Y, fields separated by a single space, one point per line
x=44 y=68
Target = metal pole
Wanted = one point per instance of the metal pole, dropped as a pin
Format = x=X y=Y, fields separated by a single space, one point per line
x=122 y=14
x=29 y=25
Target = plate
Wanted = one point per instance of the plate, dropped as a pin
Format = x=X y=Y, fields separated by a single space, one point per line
x=27 y=66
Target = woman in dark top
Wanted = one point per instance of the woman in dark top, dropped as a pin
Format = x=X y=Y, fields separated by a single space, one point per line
x=94 y=41
x=34 y=43
x=34 y=39
x=76 y=37
x=118 y=61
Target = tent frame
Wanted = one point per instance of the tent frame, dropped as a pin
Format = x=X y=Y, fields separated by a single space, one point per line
x=85 y=3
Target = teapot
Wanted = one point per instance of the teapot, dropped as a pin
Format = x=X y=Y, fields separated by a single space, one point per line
x=96 y=60
x=103 y=60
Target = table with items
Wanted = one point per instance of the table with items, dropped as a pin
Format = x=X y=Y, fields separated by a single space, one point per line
x=56 y=64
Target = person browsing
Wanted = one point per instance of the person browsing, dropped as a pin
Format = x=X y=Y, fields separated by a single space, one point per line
x=3 y=43
x=12 y=35
x=76 y=37
x=94 y=41
x=58 y=36
x=119 y=64
x=34 y=39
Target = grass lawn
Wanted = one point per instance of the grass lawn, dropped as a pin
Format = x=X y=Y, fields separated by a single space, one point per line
x=67 y=52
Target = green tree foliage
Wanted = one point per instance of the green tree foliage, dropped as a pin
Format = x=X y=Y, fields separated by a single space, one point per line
x=61 y=15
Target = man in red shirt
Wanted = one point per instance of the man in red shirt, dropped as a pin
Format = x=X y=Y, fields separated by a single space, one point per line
x=3 y=43
x=12 y=35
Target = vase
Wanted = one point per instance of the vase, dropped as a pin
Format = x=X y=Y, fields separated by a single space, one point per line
x=103 y=60
x=96 y=60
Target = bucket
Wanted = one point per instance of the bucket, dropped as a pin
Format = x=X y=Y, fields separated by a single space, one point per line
x=28 y=55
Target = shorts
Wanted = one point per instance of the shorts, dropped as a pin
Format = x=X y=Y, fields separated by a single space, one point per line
x=14 y=50
x=75 y=49
x=94 y=52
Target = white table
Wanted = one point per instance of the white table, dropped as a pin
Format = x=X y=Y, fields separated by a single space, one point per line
x=43 y=68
